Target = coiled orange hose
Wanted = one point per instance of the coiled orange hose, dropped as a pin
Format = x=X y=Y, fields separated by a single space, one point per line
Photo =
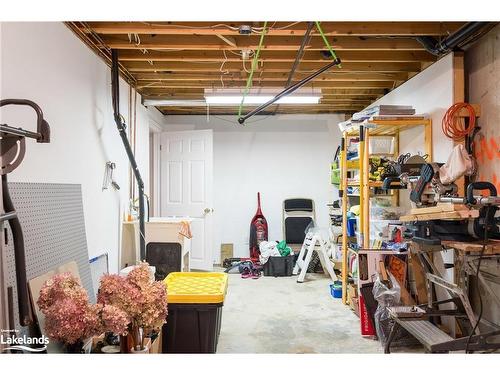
x=454 y=126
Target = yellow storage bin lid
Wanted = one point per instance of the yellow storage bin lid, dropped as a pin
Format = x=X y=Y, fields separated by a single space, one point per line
x=196 y=287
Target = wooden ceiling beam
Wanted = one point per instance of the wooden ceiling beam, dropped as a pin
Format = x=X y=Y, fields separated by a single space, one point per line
x=327 y=76
x=268 y=67
x=323 y=100
x=281 y=110
x=180 y=60
x=234 y=109
x=277 y=56
x=198 y=92
x=205 y=43
x=269 y=84
x=329 y=28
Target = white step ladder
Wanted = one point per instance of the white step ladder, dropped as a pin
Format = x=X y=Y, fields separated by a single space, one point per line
x=313 y=242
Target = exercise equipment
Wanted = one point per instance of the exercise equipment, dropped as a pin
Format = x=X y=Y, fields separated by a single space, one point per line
x=12 y=152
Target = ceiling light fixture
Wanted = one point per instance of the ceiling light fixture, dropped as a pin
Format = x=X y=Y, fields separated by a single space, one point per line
x=260 y=99
x=257 y=96
x=232 y=97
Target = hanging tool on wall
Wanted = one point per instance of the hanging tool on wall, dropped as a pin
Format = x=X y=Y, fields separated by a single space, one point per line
x=122 y=129
x=108 y=176
x=12 y=151
x=287 y=91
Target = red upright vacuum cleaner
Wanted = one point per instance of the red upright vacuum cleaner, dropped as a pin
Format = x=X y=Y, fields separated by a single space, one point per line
x=258 y=231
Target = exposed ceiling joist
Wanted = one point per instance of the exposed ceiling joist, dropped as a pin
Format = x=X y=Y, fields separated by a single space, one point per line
x=179 y=60
x=277 y=56
x=330 y=76
x=212 y=42
x=269 y=84
x=270 y=67
x=329 y=28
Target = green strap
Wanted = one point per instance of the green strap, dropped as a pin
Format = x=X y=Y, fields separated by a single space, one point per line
x=326 y=42
x=254 y=65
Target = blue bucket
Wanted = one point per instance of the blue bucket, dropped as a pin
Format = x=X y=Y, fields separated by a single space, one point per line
x=336 y=289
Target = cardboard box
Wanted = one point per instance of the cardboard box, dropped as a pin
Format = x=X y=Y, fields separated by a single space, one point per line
x=354 y=304
x=352 y=290
x=226 y=251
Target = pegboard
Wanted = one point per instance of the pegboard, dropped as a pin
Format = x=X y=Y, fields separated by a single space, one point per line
x=51 y=216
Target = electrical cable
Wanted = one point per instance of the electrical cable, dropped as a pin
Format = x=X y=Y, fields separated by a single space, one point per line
x=191 y=27
x=234 y=28
x=223 y=72
x=332 y=52
x=254 y=65
x=480 y=315
x=454 y=126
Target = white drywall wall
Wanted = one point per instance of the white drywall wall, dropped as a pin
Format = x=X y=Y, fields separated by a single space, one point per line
x=281 y=156
x=430 y=92
x=47 y=63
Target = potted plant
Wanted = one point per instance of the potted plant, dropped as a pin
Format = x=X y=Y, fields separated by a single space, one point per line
x=138 y=297
x=69 y=317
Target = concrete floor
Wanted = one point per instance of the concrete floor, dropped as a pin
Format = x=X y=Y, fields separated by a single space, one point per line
x=278 y=315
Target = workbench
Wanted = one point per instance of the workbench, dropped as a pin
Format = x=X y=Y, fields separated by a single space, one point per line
x=468 y=254
x=419 y=326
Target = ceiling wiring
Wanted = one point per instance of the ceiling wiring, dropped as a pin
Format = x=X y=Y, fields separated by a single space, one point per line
x=198 y=68
x=223 y=72
x=256 y=30
x=190 y=27
x=245 y=68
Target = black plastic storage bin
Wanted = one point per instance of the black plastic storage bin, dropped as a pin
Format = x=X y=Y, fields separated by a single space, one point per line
x=192 y=328
x=279 y=266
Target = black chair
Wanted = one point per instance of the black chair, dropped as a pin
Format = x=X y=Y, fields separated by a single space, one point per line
x=298 y=214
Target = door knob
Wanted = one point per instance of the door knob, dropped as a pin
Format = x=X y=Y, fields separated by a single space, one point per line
x=207 y=210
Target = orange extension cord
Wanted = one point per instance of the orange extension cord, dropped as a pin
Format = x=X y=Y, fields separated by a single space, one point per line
x=454 y=126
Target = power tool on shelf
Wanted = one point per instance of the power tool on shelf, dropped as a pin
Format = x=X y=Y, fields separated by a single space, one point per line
x=432 y=232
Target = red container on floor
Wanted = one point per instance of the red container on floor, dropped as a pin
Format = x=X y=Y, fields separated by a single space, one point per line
x=258 y=231
x=367 y=328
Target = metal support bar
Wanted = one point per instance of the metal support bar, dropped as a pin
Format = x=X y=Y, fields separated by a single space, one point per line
x=115 y=91
x=8 y=216
x=298 y=57
x=287 y=91
x=455 y=289
x=42 y=127
x=484 y=341
x=9 y=130
x=300 y=53
x=25 y=317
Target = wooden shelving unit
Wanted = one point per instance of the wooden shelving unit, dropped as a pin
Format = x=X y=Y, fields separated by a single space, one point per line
x=364 y=131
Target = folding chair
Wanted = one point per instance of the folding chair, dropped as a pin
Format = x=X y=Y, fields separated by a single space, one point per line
x=298 y=213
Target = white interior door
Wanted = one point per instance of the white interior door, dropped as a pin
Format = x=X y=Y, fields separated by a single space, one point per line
x=186 y=179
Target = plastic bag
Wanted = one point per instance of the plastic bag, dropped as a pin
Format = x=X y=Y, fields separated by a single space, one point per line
x=386 y=297
x=267 y=249
x=283 y=249
x=459 y=163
